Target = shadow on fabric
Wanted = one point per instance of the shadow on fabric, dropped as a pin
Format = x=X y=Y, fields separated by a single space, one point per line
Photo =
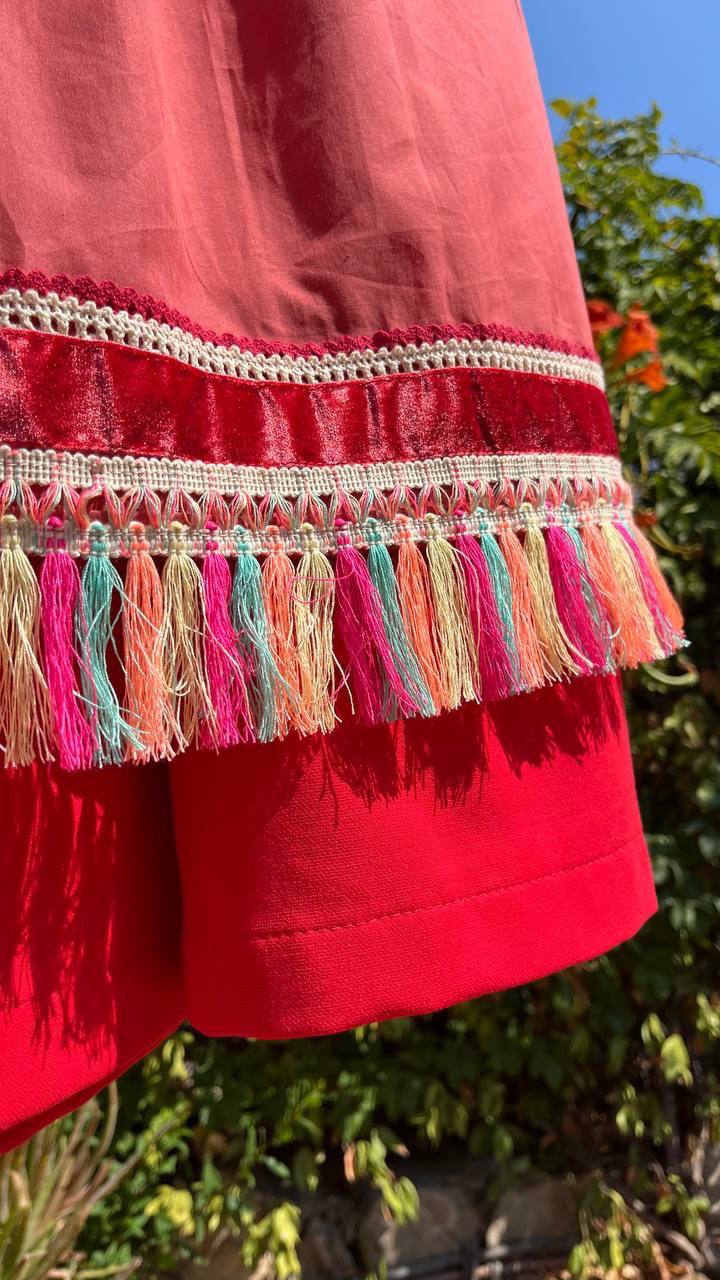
x=89 y=920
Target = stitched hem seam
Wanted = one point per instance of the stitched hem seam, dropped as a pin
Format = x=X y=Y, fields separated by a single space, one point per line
x=279 y=935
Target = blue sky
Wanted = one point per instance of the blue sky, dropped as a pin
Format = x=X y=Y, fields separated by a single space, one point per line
x=630 y=53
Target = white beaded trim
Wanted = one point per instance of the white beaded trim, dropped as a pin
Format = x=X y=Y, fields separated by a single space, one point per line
x=81 y=471
x=49 y=313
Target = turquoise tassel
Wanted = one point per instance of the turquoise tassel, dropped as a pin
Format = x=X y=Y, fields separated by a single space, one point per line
x=94 y=634
x=502 y=590
x=382 y=574
x=250 y=622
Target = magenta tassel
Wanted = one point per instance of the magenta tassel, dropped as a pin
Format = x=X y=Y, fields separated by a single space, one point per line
x=493 y=658
x=61 y=612
x=225 y=666
x=377 y=684
x=578 y=607
x=664 y=631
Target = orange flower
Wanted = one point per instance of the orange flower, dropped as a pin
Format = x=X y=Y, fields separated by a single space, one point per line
x=651 y=375
x=645 y=519
x=639 y=335
x=602 y=316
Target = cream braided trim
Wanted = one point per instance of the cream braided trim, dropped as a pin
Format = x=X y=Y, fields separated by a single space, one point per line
x=81 y=471
x=48 y=313
x=118 y=539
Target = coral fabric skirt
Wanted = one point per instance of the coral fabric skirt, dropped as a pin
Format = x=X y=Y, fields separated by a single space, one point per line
x=308 y=643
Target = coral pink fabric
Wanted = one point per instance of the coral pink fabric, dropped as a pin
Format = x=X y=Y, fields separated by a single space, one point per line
x=297 y=173
x=332 y=168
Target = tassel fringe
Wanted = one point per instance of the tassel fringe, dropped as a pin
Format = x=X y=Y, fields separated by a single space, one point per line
x=25 y=726
x=63 y=617
x=456 y=643
x=189 y=647
x=139 y=662
x=313 y=594
x=149 y=703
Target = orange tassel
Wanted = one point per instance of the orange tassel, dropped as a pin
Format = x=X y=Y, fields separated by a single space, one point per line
x=278 y=587
x=149 y=709
x=616 y=579
x=413 y=583
x=534 y=669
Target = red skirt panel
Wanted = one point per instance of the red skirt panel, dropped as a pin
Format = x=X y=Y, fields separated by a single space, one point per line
x=90 y=930
x=397 y=870
x=317 y=885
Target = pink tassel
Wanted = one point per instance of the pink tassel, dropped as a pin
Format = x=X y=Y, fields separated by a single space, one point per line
x=376 y=682
x=225 y=671
x=493 y=659
x=580 y=612
x=60 y=602
x=668 y=603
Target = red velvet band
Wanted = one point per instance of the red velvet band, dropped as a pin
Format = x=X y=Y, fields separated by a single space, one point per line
x=100 y=397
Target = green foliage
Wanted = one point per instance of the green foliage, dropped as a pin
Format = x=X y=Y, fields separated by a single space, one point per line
x=49 y=1187
x=610 y=1234
x=611 y=1067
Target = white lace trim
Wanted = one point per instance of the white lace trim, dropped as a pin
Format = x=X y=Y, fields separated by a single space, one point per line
x=81 y=471
x=48 y=313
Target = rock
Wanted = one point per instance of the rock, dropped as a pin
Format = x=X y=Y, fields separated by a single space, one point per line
x=448 y=1223
x=329 y=1226
x=324 y=1253
x=221 y=1262
x=711 y=1182
x=542 y=1209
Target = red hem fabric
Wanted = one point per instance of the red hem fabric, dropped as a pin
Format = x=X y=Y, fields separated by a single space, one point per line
x=393 y=870
x=428 y=958
x=90 y=922
x=371 y=874
x=612 y=910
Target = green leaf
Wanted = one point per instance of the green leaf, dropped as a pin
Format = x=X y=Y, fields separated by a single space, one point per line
x=562 y=107
x=278 y=1167
x=675 y=1061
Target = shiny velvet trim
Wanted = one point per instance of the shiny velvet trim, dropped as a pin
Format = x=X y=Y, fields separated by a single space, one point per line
x=59 y=392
